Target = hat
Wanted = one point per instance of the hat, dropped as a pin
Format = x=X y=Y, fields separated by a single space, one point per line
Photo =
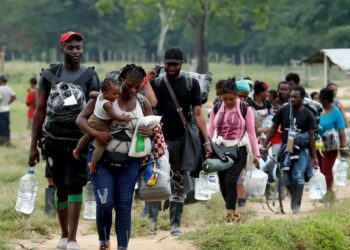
x=3 y=78
x=173 y=55
x=68 y=35
x=242 y=85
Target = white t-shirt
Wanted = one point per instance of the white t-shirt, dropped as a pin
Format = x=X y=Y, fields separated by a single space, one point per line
x=99 y=111
x=5 y=96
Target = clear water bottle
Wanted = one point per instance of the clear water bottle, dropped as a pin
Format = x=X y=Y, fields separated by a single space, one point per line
x=317 y=185
x=26 y=193
x=213 y=183
x=340 y=173
x=89 y=202
x=201 y=190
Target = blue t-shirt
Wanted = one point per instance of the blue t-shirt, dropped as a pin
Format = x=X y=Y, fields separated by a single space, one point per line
x=332 y=119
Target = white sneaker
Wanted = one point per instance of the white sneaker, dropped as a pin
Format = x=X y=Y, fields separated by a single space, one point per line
x=73 y=245
x=62 y=243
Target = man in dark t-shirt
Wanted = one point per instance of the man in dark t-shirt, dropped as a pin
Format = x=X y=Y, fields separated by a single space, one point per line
x=173 y=128
x=303 y=121
x=69 y=175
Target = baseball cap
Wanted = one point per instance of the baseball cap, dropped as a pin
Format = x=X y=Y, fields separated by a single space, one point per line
x=173 y=55
x=68 y=35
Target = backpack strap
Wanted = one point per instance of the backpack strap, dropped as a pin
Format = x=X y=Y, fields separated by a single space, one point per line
x=86 y=76
x=50 y=74
x=243 y=107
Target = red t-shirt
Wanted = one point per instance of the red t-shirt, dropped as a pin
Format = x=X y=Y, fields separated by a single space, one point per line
x=277 y=138
x=30 y=101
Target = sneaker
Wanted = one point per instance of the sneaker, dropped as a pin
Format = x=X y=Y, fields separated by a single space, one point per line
x=236 y=217
x=233 y=218
x=62 y=243
x=105 y=245
x=175 y=230
x=73 y=245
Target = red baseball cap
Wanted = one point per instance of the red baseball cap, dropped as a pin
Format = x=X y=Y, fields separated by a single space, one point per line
x=66 y=36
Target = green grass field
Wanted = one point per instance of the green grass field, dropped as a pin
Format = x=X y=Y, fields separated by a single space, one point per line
x=13 y=160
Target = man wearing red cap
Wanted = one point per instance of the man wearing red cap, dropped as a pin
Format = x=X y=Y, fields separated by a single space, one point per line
x=63 y=91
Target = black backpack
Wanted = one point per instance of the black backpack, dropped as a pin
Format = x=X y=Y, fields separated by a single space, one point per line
x=64 y=103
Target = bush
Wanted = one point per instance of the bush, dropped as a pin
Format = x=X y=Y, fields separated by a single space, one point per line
x=324 y=231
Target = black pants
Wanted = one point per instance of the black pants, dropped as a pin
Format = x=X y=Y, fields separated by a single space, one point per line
x=228 y=179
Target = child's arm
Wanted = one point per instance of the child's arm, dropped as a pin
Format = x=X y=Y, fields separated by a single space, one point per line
x=94 y=94
x=108 y=107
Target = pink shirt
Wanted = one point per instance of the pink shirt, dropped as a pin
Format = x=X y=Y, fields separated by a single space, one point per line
x=234 y=125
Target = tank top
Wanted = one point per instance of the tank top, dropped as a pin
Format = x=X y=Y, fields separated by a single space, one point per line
x=99 y=111
x=127 y=127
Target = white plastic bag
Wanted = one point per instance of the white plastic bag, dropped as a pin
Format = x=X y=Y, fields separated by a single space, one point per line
x=256 y=181
x=140 y=145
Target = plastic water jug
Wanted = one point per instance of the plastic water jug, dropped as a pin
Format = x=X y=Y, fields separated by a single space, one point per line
x=317 y=185
x=89 y=202
x=201 y=188
x=256 y=181
x=340 y=173
x=26 y=193
x=213 y=182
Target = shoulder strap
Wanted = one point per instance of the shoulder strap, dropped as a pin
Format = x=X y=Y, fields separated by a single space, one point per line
x=50 y=74
x=176 y=102
x=85 y=76
x=244 y=107
x=217 y=107
x=141 y=99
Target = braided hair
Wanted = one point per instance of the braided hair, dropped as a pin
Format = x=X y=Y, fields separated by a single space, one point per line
x=107 y=83
x=133 y=71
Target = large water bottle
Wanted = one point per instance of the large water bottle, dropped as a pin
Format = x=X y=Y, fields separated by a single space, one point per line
x=317 y=185
x=201 y=190
x=256 y=181
x=89 y=202
x=26 y=193
x=340 y=173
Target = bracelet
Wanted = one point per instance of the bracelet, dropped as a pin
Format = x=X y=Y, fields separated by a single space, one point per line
x=206 y=143
x=344 y=149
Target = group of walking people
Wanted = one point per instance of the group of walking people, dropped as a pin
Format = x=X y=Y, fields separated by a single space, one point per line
x=113 y=108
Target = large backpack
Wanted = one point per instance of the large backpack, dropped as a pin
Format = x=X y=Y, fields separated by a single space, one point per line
x=64 y=103
x=315 y=108
x=204 y=80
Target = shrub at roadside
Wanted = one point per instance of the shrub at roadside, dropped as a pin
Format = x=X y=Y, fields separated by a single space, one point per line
x=329 y=230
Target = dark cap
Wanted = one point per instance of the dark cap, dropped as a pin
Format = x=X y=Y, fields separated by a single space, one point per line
x=173 y=55
x=3 y=78
x=70 y=34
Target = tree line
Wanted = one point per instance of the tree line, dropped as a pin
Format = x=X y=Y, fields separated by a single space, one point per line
x=236 y=31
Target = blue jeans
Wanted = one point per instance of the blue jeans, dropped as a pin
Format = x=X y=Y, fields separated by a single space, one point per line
x=301 y=168
x=114 y=188
x=4 y=128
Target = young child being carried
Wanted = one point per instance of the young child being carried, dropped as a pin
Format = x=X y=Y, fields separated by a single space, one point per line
x=100 y=120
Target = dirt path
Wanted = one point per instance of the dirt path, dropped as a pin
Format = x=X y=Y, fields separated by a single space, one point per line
x=163 y=241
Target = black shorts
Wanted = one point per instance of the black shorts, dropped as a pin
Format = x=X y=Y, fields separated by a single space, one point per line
x=66 y=172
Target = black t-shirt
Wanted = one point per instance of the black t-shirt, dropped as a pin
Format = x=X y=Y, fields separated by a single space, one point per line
x=260 y=112
x=173 y=127
x=305 y=120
